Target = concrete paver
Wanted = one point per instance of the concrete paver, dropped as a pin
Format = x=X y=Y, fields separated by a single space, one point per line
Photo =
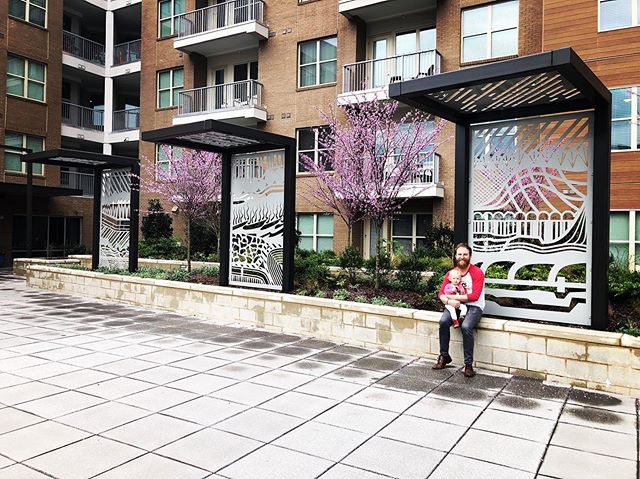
x=90 y=389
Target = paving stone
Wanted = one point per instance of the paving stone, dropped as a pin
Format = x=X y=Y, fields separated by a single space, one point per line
x=158 y=398
x=407 y=383
x=357 y=418
x=454 y=466
x=357 y=375
x=18 y=471
x=531 y=388
x=423 y=432
x=517 y=425
x=247 y=393
x=259 y=424
x=300 y=405
x=594 y=440
x=60 y=404
x=102 y=417
x=12 y=419
x=79 y=379
x=330 y=388
x=116 y=388
x=463 y=394
x=162 y=374
x=34 y=440
x=205 y=410
x=610 y=402
x=239 y=371
x=201 y=383
x=571 y=464
x=309 y=366
x=269 y=360
x=599 y=418
x=377 y=364
x=232 y=354
x=157 y=467
x=342 y=471
x=282 y=379
x=445 y=411
x=529 y=407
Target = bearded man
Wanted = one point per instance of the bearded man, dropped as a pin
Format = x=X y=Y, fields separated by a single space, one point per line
x=473 y=283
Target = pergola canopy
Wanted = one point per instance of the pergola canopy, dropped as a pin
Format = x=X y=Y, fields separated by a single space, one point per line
x=76 y=158
x=540 y=84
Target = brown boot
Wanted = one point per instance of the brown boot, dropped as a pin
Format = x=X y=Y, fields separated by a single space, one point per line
x=442 y=362
x=468 y=371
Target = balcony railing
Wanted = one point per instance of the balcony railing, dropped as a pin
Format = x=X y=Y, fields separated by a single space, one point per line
x=82 y=117
x=379 y=73
x=82 y=48
x=428 y=172
x=229 y=96
x=221 y=15
x=126 y=119
x=77 y=181
x=128 y=52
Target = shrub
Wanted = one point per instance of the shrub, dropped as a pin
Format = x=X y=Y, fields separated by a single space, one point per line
x=381 y=301
x=409 y=274
x=156 y=224
x=624 y=285
x=360 y=299
x=350 y=260
x=310 y=271
x=321 y=294
x=207 y=271
x=341 y=294
x=75 y=249
x=438 y=240
x=162 y=248
x=401 y=304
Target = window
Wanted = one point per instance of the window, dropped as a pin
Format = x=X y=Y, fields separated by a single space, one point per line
x=624 y=114
x=490 y=31
x=52 y=235
x=12 y=157
x=316 y=231
x=25 y=78
x=614 y=14
x=408 y=229
x=309 y=144
x=33 y=11
x=163 y=162
x=624 y=237
x=170 y=84
x=318 y=62
x=168 y=13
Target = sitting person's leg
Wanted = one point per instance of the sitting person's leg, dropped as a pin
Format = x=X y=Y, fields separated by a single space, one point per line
x=471 y=320
x=454 y=315
x=445 y=336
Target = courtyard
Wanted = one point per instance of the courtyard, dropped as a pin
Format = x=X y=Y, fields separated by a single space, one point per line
x=96 y=389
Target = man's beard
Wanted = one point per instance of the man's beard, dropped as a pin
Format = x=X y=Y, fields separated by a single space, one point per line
x=462 y=263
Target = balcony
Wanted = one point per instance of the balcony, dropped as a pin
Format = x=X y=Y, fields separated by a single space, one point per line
x=426 y=181
x=82 y=117
x=126 y=120
x=370 y=79
x=77 y=181
x=128 y=52
x=374 y=10
x=82 y=48
x=238 y=102
x=222 y=28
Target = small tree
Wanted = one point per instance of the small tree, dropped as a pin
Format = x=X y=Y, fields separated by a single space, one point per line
x=192 y=183
x=369 y=158
x=156 y=224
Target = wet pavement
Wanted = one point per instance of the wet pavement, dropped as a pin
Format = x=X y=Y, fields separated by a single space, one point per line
x=95 y=389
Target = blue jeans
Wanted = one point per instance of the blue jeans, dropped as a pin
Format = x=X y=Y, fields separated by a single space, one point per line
x=470 y=322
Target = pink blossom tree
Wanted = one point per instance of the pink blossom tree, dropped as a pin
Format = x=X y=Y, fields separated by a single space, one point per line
x=192 y=183
x=368 y=158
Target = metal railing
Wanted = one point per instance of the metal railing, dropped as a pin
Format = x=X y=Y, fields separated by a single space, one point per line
x=428 y=171
x=82 y=117
x=128 y=52
x=126 y=119
x=77 y=181
x=379 y=73
x=220 y=16
x=228 y=96
x=82 y=48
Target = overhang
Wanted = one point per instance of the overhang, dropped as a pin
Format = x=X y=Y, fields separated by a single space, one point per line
x=19 y=189
x=76 y=158
x=540 y=84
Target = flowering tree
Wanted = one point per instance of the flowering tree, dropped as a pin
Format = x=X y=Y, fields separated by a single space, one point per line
x=191 y=183
x=368 y=158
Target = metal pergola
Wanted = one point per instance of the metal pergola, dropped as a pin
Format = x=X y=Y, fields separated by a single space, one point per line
x=547 y=83
x=98 y=163
x=227 y=139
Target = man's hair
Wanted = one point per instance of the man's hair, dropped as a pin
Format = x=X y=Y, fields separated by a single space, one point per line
x=462 y=245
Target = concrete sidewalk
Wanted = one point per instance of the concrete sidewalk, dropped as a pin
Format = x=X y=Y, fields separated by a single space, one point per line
x=93 y=389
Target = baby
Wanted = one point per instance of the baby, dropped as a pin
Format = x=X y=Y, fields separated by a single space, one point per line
x=454 y=287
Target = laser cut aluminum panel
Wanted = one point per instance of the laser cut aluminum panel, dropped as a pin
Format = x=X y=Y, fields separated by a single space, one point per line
x=257 y=221
x=115 y=214
x=531 y=216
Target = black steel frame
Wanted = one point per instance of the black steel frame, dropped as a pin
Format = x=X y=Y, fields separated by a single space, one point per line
x=593 y=96
x=98 y=163
x=247 y=140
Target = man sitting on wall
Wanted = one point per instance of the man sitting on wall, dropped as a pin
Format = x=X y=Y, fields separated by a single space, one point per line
x=473 y=283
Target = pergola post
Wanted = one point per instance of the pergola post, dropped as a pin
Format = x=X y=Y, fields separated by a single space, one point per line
x=225 y=219
x=29 y=209
x=97 y=196
x=461 y=212
x=289 y=218
x=134 y=217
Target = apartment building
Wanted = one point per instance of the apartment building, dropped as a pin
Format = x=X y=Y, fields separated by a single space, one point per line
x=115 y=68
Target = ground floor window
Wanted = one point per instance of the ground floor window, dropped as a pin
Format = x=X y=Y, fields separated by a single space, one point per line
x=316 y=231
x=408 y=229
x=52 y=235
x=624 y=237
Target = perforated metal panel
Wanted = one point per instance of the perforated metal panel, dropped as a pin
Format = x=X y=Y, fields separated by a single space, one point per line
x=257 y=221
x=115 y=214
x=531 y=216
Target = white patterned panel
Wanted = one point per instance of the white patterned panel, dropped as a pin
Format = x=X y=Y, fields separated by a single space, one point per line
x=530 y=209
x=115 y=214
x=257 y=222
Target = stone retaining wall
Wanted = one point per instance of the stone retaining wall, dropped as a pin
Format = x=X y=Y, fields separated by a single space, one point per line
x=594 y=359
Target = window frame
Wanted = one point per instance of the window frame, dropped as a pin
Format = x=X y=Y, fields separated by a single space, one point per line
x=172 y=18
x=176 y=150
x=171 y=87
x=317 y=62
x=28 y=4
x=488 y=32
x=631 y=242
x=26 y=79
x=316 y=146
x=634 y=136
x=23 y=165
x=634 y=13
x=314 y=234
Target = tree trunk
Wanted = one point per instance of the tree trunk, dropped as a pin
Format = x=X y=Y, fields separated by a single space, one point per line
x=188 y=244
x=376 y=272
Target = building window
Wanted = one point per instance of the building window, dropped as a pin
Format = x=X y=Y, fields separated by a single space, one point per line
x=12 y=157
x=614 y=14
x=316 y=231
x=624 y=237
x=163 y=161
x=309 y=144
x=25 y=78
x=51 y=235
x=32 y=11
x=409 y=229
x=624 y=115
x=318 y=62
x=170 y=84
x=490 y=31
x=168 y=17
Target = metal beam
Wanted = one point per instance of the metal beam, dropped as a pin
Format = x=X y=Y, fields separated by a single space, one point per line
x=97 y=211
x=134 y=213
x=225 y=220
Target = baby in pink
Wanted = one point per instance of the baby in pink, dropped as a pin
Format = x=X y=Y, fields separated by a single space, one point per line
x=454 y=287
